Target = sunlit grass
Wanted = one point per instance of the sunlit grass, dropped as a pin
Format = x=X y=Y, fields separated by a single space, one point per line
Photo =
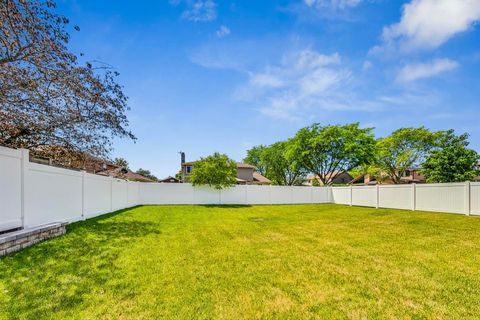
x=260 y=262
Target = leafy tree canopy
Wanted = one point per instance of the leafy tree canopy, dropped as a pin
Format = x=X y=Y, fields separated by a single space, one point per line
x=280 y=169
x=217 y=171
x=451 y=160
x=404 y=148
x=255 y=158
x=147 y=174
x=46 y=97
x=121 y=162
x=328 y=151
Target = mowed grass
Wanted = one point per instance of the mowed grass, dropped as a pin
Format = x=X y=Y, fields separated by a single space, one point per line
x=259 y=262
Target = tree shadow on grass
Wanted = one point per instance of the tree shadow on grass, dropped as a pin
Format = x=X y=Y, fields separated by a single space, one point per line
x=58 y=275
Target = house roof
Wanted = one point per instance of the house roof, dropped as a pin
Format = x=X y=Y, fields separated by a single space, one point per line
x=122 y=173
x=169 y=179
x=259 y=178
x=328 y=175
x=239 y=165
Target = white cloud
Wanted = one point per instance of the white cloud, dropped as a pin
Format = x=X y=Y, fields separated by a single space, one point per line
x=302 y=80
x=265 y=80
x=367 y=65
x=412 y=72
x=334 y=4
x=200 y=10
x=427 y=24
x=223 y=32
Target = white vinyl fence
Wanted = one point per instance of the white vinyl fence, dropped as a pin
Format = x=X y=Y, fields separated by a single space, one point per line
x=33 y=194
x=185 y=193
x=461 y=198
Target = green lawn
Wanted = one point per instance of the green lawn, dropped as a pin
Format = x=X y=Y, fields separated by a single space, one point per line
x=259 y=262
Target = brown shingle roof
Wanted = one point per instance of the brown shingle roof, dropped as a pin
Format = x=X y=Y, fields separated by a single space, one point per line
x=119 y=173
x=259 y=178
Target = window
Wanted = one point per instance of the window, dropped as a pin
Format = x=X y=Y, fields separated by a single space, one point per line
x=406 y=173
x=189 y=169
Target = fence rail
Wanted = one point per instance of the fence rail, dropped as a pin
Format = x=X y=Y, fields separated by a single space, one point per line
x=33 y=194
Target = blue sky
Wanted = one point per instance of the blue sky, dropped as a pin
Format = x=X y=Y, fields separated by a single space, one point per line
x=213 y=75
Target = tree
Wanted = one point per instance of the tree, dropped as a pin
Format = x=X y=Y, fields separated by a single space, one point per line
x=372 y=170
x=404 y=148
x=147 y=174
x=121 y=162
x=46 y=97
x=255 y=158
x=280 y=169
x=451 y=160
x=178 y=175
x=217 y=171
x=328 y=151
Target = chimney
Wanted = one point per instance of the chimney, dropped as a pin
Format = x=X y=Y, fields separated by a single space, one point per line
x=182 y=161
x=182 y=157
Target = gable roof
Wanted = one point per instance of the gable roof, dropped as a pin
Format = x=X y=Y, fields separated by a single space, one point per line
x=259 y=178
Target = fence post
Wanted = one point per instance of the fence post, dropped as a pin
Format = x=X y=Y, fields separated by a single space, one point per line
x=111 y=193
x=128 y=192
x=378 y=196
x=246 y=194
x=25 y=159
x=270 y=194
x=351 y=195
x=467 y=198
x=414 y=196
x=83 y=194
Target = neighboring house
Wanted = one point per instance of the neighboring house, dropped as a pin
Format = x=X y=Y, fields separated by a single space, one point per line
x=342 y=178
x=84 y=162
x=123 y=173
x=411 y=175
x=169 y=179
x=246 y=174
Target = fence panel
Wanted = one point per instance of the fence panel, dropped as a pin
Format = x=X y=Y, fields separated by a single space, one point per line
x=281 y=195
x=133 y=196
x=119 y=194
x=166 y=193
x=396 y=197
x=321 y=195
x=441 y=197
x=341 y=195
x=258 y=195
x=301 y=194
x=10 y=189
x=97 y=195
x=365 y=196
x=52 y=195
x=475 y=198
x=205 y=195
x=237 y=195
